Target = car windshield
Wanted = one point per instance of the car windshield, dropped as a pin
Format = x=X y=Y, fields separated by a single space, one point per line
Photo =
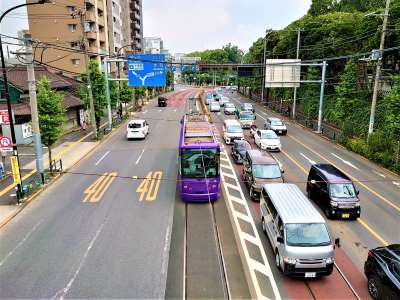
x=135 y=125
x=268 y=135
x=246 y=116
x=304 y=235
x=342 y=190
x=276 y=123
x=243 y=146
x=247 y=106
x=267 y=171
x=199 y=163
x=234 y=128
x=209 y=96
x=229 y=105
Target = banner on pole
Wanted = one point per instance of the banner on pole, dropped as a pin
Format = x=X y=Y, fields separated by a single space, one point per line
x=15 y=170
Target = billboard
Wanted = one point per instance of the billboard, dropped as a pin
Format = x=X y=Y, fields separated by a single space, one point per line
x=282 y=73
x=146 y=70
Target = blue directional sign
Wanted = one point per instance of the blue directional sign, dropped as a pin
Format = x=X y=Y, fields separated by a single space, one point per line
x=147 y=70
x=173 y=68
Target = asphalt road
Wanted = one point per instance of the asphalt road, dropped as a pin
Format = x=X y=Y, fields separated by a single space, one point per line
x=379 y=191
x=98 y=232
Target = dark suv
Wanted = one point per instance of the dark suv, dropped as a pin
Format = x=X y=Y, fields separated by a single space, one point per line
x=259 y=168
x=382 y=269
x=333 y=191
x=162 y=101
x=239 y=150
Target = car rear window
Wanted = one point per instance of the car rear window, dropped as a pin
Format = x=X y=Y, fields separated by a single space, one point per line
x=135 y=125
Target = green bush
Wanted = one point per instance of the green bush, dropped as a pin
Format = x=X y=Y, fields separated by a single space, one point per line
x=378 y=142
x=358 y=146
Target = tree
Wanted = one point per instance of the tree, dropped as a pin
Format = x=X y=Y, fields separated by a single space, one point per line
x=98 y=89
x=170 y=78
x=51 y=114
x=319 y=7
x=392 y=101
x=126 y=94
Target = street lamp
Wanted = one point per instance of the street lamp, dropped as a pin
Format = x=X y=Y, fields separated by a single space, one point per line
x=267 y=35
x=9 y=108
x=119 y=75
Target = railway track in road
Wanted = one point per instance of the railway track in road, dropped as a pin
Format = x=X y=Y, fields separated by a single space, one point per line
x=212 y=242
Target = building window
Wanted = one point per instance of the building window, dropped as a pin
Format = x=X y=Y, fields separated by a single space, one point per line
x=71 y=8
x=75 y=61
x=74 y=44
x=72 y=27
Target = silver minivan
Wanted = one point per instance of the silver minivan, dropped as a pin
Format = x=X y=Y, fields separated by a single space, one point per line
x=296 y=230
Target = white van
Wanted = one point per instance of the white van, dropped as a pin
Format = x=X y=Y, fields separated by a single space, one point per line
x=232 y=131
x=137 y=129
x=296 y=230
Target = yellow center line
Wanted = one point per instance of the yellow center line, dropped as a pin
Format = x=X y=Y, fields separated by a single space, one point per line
x=362 y=222
x=351 y=177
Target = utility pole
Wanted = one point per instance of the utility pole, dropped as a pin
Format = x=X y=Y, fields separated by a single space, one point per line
x=295 y=88
x=34 y=110
x=378 y=69
x=321 y=98
x=109 y=113
x=81 y=13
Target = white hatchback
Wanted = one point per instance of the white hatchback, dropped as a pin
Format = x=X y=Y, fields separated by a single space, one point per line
x=137 y=129
x=267 y=140
x=214 y=106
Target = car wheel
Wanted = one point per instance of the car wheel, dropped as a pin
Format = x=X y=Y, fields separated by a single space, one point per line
x=264 y=227
x=278 y=260
x=374 y=287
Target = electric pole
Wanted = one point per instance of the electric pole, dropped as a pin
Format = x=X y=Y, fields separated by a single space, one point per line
x=378 y=69
x=295 y=88
x=33 y=103
x=81 y=13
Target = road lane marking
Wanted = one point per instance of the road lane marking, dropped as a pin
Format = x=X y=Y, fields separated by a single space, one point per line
x=154 y=179
x=160 y=110
x=379 y=174
x=20 y=243
x=175 y=110
x=261 y=117
x=345 y=161
x=140 y=156
x=64 y=291
x=101 y=158
x=351 y=177
x=363 y=223
x=97 y=189
x=309 y=159
x=396 y=183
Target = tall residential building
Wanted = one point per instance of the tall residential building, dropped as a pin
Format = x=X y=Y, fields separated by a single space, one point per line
x=136 y=26
x=115 y=20
x=54 y=23
x=153 y=45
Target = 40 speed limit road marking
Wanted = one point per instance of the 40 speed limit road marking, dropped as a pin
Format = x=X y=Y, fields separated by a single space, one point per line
x=97 y=189
x=149 y=186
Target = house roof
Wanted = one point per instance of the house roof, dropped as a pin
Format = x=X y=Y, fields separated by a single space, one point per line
x=18 y=77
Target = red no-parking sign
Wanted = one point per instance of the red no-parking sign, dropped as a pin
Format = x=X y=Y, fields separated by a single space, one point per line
x=5 y=143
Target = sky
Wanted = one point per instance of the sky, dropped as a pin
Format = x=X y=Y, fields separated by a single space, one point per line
x=190 y=25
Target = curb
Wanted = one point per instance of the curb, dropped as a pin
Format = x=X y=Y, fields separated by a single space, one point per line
x=55 y=179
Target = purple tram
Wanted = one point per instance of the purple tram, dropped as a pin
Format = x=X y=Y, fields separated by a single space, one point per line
x=199 y=153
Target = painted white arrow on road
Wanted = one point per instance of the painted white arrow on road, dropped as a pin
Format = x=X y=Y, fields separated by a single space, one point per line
x=396 y=183
x=345 y=161
x=379 y=174
x=309 y=160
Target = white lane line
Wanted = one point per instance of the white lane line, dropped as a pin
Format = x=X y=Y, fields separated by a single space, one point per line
x=160 y=110
x=20 y=243
x=63 y=292
x=140 y=156
x=396 y=183
x=145 y=111
x=261 y=117
x=101 y=158
x=175 y=110
x=379 y=174
x=345 y=161
x=309 y=159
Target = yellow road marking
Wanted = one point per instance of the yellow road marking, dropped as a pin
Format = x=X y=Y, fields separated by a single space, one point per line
x=97 y=189
x=154 y=179
x=351 y=177
x=362 y=222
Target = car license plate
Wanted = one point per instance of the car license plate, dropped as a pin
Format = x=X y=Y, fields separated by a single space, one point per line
x=280 y=131
x=345 y=216
x=310 y=274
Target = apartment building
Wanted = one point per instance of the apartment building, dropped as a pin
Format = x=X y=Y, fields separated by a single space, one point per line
x=56 y=24
x=153 y=45
x=136 y=25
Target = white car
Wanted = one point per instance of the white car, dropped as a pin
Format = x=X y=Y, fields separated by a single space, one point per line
x=137 y=129
x=214 y=106
x=223 y=100
x=229 y=108
x=276 y=125
x=267 y=140
x=232 y=131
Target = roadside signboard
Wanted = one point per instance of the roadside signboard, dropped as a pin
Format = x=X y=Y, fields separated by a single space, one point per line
x=5 y=143
x=282 y=73
x=147 y=70
x=4 y=117
x=15 y=169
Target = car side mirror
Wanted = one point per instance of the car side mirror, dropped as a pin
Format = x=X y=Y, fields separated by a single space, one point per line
x=357 y=192
x=255 y=117
x=282 y=171
x=279 y=239
x=337 y=242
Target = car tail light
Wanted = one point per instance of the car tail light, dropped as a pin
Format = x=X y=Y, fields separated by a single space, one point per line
x=370 y=255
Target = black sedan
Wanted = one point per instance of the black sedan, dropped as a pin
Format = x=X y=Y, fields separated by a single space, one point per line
x=382 y=269
x=239 y=150
x=162 y=101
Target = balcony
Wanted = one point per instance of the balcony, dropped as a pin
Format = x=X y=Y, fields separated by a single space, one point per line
x=137 y=26
x=91 y=35
x=102 y=36
x=90 y=2
x=93 y=49
x=100 y=21
x=134 y=6
x=90 y=16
